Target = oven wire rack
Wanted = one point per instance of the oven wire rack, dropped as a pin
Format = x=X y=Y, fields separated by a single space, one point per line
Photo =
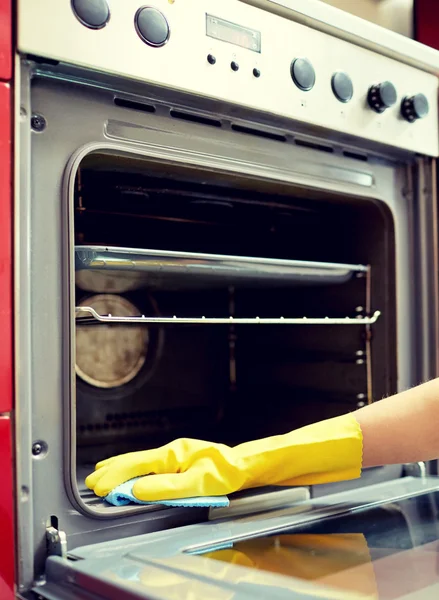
x=87 y=315
x=154 y=268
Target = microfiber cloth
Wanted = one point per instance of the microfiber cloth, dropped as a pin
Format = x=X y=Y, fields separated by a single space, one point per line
x=123 y=495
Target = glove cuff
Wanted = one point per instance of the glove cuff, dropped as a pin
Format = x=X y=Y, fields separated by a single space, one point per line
x=323 y=452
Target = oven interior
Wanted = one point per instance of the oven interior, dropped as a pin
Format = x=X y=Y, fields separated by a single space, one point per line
x=138 y=386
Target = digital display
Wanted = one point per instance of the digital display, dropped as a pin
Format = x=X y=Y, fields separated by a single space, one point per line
x=233 y=34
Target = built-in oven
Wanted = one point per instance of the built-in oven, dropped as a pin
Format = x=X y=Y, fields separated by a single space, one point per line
x=225 y=229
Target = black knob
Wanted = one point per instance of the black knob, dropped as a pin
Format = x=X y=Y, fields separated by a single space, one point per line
x=256 y=73
x=414 y=107
x=303 y=74
x=211 y=59
x=234 y=66
x=94 y=14
x=342 y=86
x=152 y=26
x=381 y=96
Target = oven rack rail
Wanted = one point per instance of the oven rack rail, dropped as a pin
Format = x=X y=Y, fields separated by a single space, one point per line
x=128 y=268
x=87 y=315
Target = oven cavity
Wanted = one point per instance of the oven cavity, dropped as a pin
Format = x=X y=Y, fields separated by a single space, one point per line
x=218 y=307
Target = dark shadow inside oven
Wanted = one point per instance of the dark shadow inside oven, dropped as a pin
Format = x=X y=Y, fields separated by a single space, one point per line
x=141 y=386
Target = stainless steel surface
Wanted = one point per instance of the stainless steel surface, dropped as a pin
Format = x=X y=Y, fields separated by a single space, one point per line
x=44 y=275
x=329 y=19
x=23 y=341
x=117 y=49
x=312 y=145
x=86 y=311
x=427 y=312
x=121 y=269
x=56 y=542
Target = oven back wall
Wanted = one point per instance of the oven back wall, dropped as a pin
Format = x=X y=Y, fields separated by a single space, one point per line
x=73 y=117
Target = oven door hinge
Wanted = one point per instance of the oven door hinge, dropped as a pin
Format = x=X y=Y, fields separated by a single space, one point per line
x=56 y=542
x=418 y=469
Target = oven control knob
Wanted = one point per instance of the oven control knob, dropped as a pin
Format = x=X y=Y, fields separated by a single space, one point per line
x=91 y=13
x=414 y=107
x=303 y=74
x=152 y=26
x=381 y=96
x=342 y=86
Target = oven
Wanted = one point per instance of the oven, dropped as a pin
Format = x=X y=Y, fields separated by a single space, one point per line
x=224 y=229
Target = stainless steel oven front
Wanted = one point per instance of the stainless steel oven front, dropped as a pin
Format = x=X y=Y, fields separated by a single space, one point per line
x=226 y=227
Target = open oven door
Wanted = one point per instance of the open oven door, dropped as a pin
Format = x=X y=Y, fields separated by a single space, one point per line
x=378 y=542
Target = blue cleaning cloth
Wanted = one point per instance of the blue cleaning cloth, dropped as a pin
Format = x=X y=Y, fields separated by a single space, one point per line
x=123 y=495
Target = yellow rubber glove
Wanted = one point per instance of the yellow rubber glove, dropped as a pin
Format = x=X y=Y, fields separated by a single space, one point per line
x=320 y=453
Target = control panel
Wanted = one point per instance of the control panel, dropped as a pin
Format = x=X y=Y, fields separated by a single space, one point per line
x=241 y=55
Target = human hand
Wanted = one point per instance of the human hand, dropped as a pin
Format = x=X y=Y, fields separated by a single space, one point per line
x=323 y=452
x=183 y=468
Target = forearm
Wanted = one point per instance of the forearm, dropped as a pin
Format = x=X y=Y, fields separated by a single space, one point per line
x=403 y=428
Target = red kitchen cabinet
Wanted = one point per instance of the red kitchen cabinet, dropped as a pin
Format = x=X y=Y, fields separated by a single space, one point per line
x=7 y=553
x=6 y=511
x=6 y=369
x=5 y=39
x=426 y=20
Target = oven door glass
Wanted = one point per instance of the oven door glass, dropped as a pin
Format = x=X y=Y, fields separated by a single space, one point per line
x=381 y=553
x=380 y=543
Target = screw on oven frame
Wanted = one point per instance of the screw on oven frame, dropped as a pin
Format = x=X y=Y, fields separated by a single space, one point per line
x=39 y=449
x=38 y=123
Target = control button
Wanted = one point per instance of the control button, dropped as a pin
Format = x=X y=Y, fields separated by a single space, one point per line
x=303 y=74
x=381 y=96
x=342 y=86
x=414 y=107
x=91 y=13
x=256 y=73
x=211 y=59
x=234 y=66
x=152 y=26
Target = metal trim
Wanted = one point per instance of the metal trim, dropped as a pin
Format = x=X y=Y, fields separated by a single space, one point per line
x=340 y=24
